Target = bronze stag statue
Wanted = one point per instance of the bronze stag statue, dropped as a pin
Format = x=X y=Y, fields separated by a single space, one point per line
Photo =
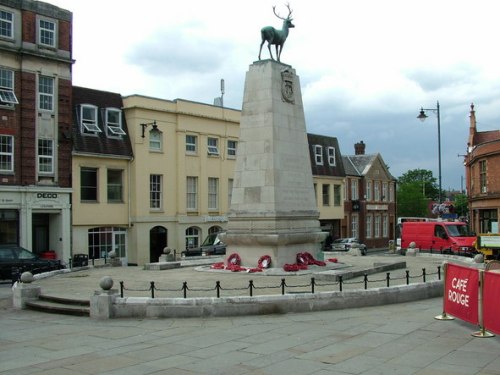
x=277 y=37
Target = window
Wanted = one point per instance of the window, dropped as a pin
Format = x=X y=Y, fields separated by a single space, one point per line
x=377 y=226
x=46 y=93
x=318 y=154
x=354 y=190
x=482 y=176
x=368 y=190
x=213 y=193
x=114 y=122
x=47 y=33
x=191 y=144
x=326 y=194
x=376 y=188
x=192 y=237
x=88 y=116
x=354 y=226
x=391 y=192
x=155 y=192
x=385 y=186
x=7 y=95
x=45 y=156
x=231 y=148
x=368 y=226
x=229 y=191
x=213 y=148
x=88 y=182
x=331 y=156
x=103 y=240
x=155 y=140
x=115 y=185
x=6 y=153
x=385 y=226
x=6 y=24
x=192 y=193
x=337 y=195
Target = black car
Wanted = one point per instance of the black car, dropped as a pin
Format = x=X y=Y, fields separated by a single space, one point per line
x=14 y=258
x=211 y=246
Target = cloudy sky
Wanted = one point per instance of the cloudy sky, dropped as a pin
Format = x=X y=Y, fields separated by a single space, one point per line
x=365 y=67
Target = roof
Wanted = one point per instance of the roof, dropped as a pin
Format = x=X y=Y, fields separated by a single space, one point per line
x=359 y=165
x=99 y=142
x=325 y=169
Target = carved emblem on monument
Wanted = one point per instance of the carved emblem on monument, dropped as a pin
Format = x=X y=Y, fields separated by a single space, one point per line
x=287 y=89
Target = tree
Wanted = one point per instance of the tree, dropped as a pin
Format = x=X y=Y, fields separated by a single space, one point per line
x=422 y=178
x=461 y=205
x=411 y=201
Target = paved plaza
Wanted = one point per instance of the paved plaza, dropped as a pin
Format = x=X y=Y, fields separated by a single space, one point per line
x=390 y=339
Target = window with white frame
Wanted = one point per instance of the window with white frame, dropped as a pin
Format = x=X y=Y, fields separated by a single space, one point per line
x=376 y=190
x=155 y=140
x=6 y=24
x=212 y=146
x=391 y=192
x=482 y=177
x=385 y=226
x=213 y=193
x=368 y=226
x=114 y=122
x=46 y=93
x=192 y=237
x=155 y=191
x=88 y=184
x=385 y=197
x=6 y=153
x=354 y=226
x=331 y=157
x=229 y=191
x=47 y=33
x=318 y=154
x=354 y=189
x=231 y=148
x=7 y=95
x=45 y=156
x=377 y=226
x=368 y=190
x=192 y=193
x=88 y=119
x=191 y=143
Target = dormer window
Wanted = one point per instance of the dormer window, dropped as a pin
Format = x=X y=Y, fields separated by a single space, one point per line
x=7 y=96
x=331 y=156
x=88 y=119
x=213 y=148
x=318 y=154
x=114 y=122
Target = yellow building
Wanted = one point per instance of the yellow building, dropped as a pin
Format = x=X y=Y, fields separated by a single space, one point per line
x=181 y=175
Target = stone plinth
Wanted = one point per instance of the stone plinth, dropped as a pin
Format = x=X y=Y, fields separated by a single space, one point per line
x=273 y=207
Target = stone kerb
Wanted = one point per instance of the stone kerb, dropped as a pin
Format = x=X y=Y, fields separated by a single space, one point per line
x=112 y=306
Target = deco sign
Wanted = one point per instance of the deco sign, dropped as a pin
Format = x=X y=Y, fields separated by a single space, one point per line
x=46 y=195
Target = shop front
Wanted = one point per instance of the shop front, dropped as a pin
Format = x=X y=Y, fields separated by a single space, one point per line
x=38 y=219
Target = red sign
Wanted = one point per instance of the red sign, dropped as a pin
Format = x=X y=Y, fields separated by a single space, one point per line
x=461 y=292
x=491 y=301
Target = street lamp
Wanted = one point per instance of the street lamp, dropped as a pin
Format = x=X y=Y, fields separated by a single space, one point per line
x=422 y=116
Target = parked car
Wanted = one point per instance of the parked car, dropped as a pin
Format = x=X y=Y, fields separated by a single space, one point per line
x=344 y=244
x=211 y=246
x=15 y=257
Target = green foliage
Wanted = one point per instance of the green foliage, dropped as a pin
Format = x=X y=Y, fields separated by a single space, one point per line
x=423 y=178
x=461 y=204
x=411 y=201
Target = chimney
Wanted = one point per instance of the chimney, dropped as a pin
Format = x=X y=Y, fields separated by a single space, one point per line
x=359 y=148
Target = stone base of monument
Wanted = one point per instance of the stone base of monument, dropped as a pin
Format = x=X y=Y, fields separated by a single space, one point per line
x=281 y=247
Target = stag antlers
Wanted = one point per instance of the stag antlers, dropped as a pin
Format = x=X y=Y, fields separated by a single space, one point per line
x=277 y=37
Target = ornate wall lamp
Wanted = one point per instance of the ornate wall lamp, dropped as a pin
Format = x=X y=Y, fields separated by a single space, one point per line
x=152 y=124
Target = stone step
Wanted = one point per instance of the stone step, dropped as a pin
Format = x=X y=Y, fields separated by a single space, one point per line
x=58 y=305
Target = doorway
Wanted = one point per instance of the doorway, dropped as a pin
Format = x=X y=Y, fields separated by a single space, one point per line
x=157 y=242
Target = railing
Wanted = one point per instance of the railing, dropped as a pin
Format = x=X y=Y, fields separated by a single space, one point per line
x=310 y=287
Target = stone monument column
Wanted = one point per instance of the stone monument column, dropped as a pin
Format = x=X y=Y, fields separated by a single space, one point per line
x=273 y=208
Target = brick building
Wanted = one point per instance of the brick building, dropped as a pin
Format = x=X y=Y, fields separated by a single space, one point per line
x=482 y=174
x=35 y=119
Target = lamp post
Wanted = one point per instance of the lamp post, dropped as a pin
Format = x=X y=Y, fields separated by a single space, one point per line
x=422 y=116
